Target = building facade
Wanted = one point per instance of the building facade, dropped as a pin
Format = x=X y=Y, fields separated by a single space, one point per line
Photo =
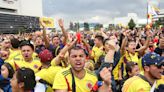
x=16 y=15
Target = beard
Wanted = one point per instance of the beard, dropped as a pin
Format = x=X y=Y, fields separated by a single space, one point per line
x=153 y=76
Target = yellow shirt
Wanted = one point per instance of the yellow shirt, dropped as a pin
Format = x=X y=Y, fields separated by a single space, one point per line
x=160 y=81
x=82 y=85
x=17 y=53
x=96 y=53
x=129 y=57
x=48 y=74
x=136 y=84
x=19 y=62
x=51 y=72
x=53 y=63
x=13 y=53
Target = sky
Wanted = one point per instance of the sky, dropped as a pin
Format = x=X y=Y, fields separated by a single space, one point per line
x=103 y=11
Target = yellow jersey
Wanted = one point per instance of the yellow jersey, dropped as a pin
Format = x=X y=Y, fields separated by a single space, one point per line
x=136 y=84
x=17 y=53
x=160 y=81
x=53 y=63
x=48 y=74
x=63 y=80
x=96 y=53
x=127 y=57
x=19 y=62
x=51 y=72
x=13 y=53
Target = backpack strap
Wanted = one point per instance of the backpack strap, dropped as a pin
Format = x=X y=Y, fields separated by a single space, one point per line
x=73 y=82
x=152 y=85
x=45 y=82
x=145 y=79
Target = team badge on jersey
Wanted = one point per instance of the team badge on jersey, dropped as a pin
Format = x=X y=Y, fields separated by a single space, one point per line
x=35 y=66
x=89 y=85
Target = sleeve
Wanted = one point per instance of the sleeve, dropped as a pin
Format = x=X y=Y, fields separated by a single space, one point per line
x=131 y=85
x=92 y=52
x=40 y=87
x=59 y=82
x=128 y=88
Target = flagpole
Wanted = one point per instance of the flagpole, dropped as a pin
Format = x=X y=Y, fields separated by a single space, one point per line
x=147 y=12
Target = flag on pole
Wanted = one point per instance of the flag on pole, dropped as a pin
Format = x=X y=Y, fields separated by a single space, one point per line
x=153 y=10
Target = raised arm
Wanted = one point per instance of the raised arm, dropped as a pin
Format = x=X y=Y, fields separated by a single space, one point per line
x=61 y=24
x=106 y=77
x=47 y=43
x=103 y=34
x=58 y=58
x=124 y=43
x=87 y=46
x=142 y=49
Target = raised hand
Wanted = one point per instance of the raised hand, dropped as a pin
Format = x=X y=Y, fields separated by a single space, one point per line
x=72 y=43
x=148 y=33
x=105 y=74
x=42 y=24
x=61 y=24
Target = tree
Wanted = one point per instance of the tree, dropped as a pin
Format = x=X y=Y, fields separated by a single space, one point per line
x=86 y=26
x=71 y=27
x=131 y=24
x=98 y=26
x=76 y=26
x=157 y=23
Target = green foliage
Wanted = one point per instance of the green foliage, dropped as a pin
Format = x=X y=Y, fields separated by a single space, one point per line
x=86 y=26
x=98 y=26
x=131 y=24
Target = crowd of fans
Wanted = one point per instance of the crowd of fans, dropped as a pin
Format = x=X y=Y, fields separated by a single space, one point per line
x=122 y=60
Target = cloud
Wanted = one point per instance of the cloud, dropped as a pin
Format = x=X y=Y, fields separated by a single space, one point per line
x=102 y=11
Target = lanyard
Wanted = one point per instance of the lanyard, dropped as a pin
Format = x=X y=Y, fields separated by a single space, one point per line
x=73 y=82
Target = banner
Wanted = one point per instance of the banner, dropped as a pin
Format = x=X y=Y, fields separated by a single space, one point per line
x=49 y=22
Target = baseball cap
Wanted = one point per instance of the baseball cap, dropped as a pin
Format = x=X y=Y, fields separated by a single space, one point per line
x=45 y=56
x=152 y=58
